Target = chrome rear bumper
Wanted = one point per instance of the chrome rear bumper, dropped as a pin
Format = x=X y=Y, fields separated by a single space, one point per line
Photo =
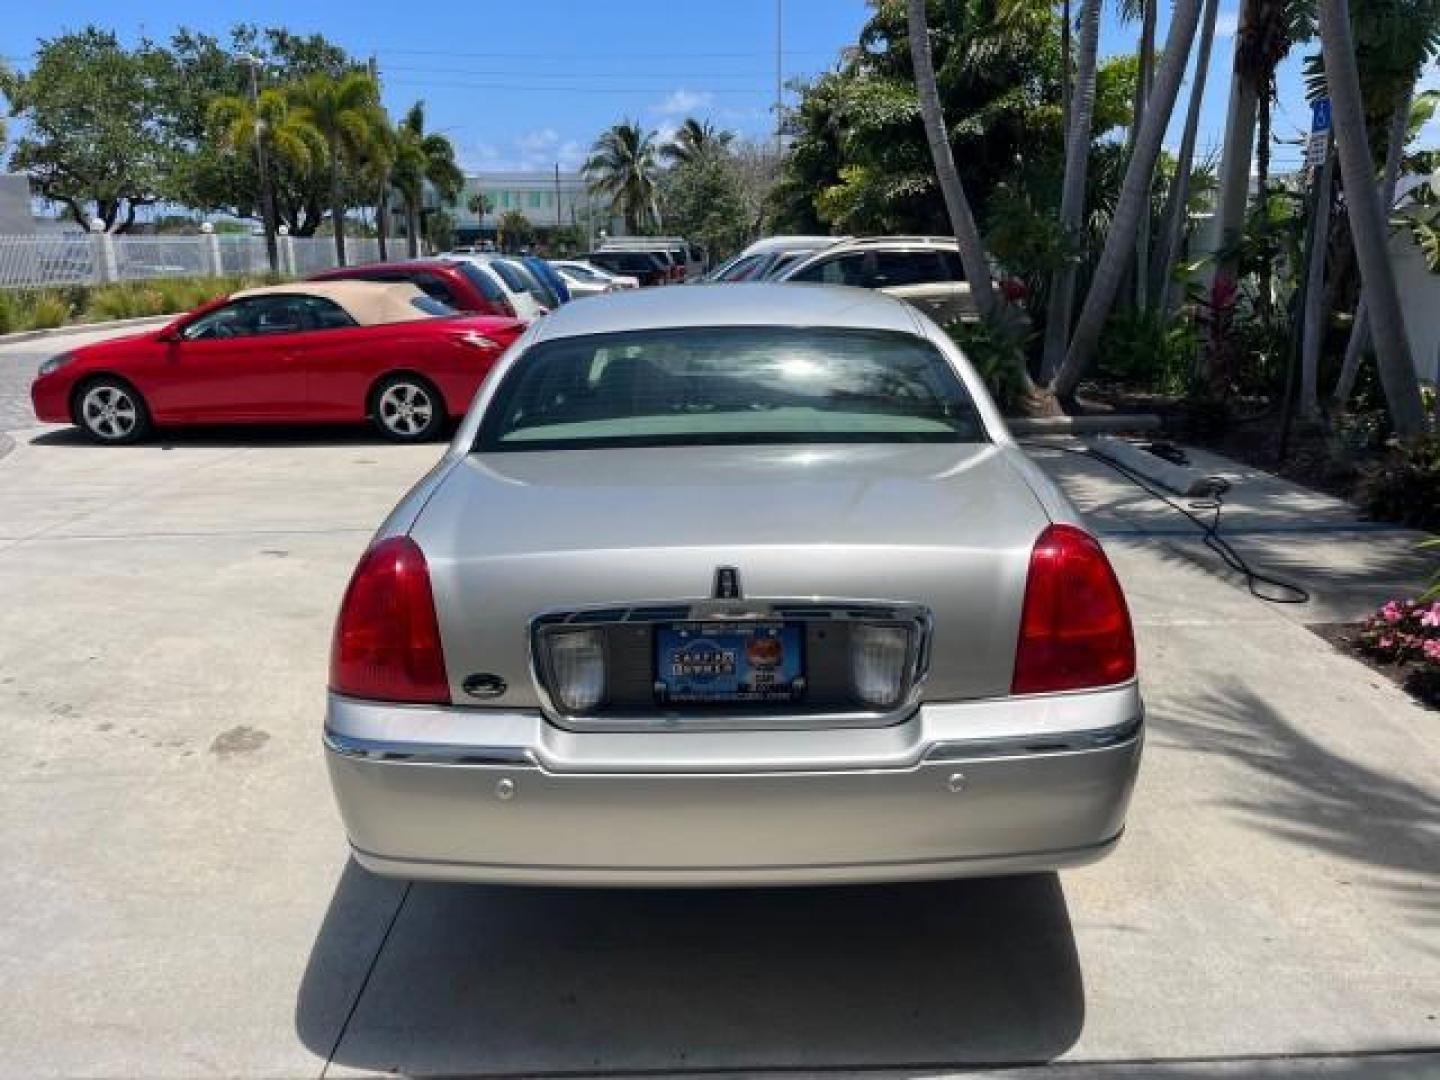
x=956 y=790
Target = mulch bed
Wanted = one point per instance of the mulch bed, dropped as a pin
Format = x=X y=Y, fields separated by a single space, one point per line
x=1344 y=637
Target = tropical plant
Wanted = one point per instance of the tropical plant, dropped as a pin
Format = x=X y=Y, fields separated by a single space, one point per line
x=422 y=157
x=693 y=140
x=347 y=114
x=515 y=230
x=1149 y=349
x=996 y=350
x=622 y=169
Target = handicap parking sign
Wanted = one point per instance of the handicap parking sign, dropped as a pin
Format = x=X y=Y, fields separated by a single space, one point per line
x=1320 y=115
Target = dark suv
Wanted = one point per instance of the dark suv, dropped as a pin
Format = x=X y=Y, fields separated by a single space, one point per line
x=647 y=268
x=463 y=285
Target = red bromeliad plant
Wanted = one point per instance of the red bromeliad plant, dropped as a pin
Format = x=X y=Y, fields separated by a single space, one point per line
x=1407 y=632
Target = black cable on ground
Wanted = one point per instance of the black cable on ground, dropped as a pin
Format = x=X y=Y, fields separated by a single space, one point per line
x=1285 y=592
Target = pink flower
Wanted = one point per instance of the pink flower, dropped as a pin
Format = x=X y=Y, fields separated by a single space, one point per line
x=1431 y=617
x=1386 y=642
x=1392 y=612
x=1432 y=650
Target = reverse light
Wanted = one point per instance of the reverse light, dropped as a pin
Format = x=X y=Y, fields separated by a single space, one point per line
x=387 y=639
x=55 y=363
x=575 y=661
x=879 y=659
x=1075 y=628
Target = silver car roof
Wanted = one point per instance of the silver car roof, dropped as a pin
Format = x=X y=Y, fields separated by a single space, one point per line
x=760 y=304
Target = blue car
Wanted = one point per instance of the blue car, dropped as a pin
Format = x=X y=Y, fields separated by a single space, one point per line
x=549 y=275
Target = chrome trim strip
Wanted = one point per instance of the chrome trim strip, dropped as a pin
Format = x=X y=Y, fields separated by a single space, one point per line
x=428 y=753
x=1069 y=742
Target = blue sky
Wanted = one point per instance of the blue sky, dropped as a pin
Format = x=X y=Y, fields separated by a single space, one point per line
x=524 y=85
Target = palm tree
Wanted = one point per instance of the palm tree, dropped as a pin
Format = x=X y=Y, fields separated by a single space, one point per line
x=1145 y=10
x=282 y=133
x=1072 y=197
x=1172 y=221
x=421 y=158
x=1134 y=198
x=1367 y=221
x=1315 y=311
x=622 y=167
x=346 y=111
x=695 y=140
x=962 y=219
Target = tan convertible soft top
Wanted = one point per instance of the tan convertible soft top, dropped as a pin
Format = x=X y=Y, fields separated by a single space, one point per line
x=369 y=303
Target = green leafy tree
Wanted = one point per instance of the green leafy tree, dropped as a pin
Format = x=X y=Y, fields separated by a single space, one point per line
x=702 y=198
x=515 y=230
x=422 y=157
x=440 y=229
x=347 y=114
x=622 y=168
x=91 y=141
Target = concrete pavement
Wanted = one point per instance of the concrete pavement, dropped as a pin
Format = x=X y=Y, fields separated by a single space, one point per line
x=179 y=902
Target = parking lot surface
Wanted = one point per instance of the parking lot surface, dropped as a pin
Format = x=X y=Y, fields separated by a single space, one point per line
x=178 y=899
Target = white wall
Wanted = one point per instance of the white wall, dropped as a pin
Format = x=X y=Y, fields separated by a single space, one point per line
x=1420 y=302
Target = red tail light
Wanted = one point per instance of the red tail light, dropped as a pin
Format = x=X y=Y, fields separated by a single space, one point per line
x=387 y=640
x=1074 y=629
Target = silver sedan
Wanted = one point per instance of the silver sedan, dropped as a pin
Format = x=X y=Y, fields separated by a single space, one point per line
x=732 y=586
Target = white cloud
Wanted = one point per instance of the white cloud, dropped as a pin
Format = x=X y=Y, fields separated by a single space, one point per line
x=682 y=101
x=530 y=151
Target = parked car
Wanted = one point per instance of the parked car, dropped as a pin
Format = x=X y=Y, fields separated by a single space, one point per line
x=645 y=267
x=525 y=294
x=925 y=270
x=313 y=352
x=547 y=274
x=732 y=586
x=686 y=260
x=583 y=283
x=465 y=286
x=768 y=256
x=575 y=269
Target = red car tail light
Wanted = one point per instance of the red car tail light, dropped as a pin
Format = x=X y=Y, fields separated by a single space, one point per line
x=387 y=639
x=1075 y=628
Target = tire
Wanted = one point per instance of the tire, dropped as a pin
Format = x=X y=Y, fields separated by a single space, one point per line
x=407 y=408
x=112 y=412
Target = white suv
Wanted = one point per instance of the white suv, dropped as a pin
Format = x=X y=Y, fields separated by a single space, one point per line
x=925 y=270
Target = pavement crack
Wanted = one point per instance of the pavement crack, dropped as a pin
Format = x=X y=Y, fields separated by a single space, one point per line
x=365 y=982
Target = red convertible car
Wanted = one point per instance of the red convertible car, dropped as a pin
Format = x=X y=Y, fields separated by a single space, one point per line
x=312 y=352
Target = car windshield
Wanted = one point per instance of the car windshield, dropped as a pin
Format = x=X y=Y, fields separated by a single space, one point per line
x=725 y=385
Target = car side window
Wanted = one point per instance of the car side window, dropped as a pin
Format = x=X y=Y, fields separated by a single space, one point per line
x=431 y=285
x=253 y=316
x=954 y=268
x=848 y=269
x=894 y=268
x=322 y=314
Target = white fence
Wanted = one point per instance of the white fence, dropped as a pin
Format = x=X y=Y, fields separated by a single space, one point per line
x=42 y=261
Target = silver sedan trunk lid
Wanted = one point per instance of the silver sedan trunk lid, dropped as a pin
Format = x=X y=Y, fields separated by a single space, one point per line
x=511 y=536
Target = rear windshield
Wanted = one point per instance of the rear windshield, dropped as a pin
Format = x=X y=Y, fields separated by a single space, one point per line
x=728 y=385
x=627 y=262
x=511 y=274
x=482 y=281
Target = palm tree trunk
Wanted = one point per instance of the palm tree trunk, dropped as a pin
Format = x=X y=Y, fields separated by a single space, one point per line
x=1266 y=291
x=337 y=206
x=412 y=226
x=967 y=234
x=1067 y=65
x=1360 y=326
x=1367 y=221
x=1312 y=325
x=1162 y=271
x=1142 y=98
x=1072 y=196
x=1134 y=199
x=1234 y=174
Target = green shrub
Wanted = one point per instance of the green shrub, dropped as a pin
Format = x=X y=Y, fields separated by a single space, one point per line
x=48 y=309
x=1147 y=350
x=996 y=350
x=9 y=312
x=1405 y=486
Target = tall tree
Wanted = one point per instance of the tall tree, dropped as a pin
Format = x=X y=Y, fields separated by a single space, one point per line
x=1134 y=199
x=622 y=168
x=90 y=140
x=422 y=157
x=1177 y=200
x=1316 y=312
x=1072 y=196
x=1367 y=220
x=346 y=111
x=962 y=219
x=693 y=140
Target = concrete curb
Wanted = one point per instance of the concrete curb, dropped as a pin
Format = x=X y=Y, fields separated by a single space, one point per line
x=1084 y=425
x=84 y=328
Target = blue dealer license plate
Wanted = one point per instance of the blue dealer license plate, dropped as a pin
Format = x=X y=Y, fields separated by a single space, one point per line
x=729 y=663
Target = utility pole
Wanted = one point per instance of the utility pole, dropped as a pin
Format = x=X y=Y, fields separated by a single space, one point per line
x=267 y=194
x=558 y=219
x=779 y=72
